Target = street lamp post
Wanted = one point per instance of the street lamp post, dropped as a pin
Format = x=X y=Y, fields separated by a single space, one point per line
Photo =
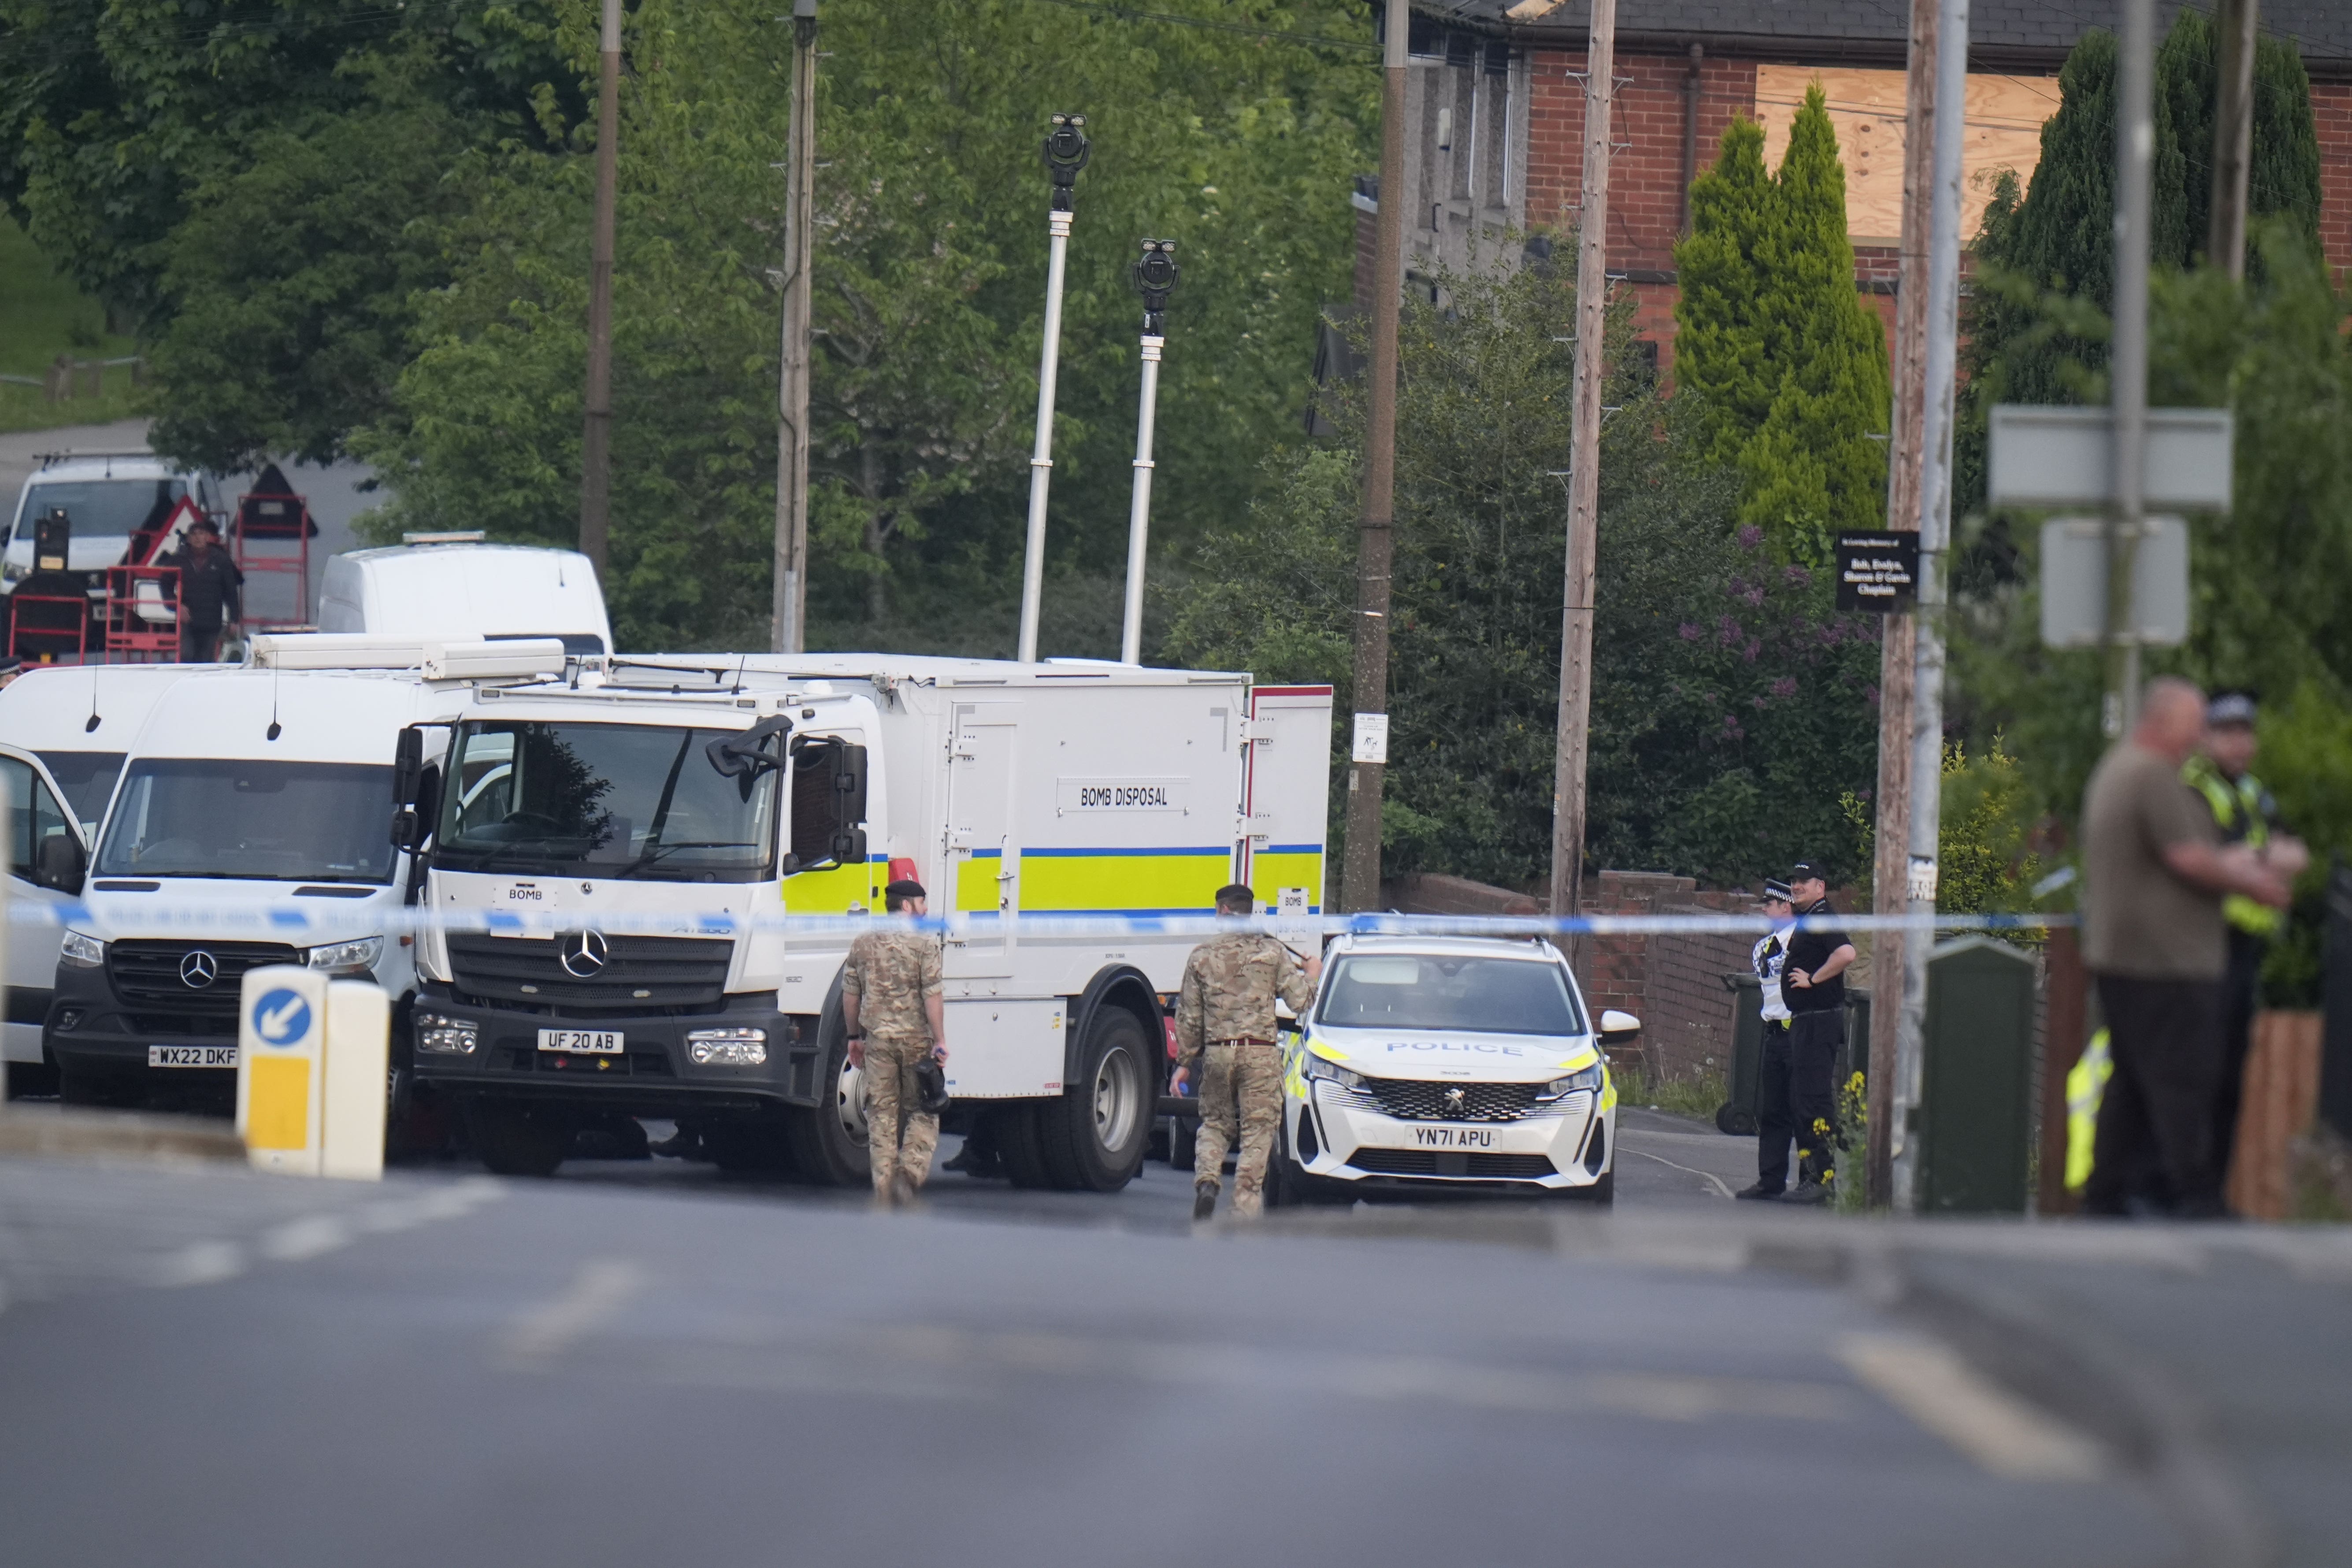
x=1066 y=151
x=1155 y=279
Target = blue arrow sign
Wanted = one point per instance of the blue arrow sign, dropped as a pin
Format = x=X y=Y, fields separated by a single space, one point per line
x=281 y=1017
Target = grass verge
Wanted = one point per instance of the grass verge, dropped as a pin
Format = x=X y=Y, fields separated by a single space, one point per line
x=43 y=315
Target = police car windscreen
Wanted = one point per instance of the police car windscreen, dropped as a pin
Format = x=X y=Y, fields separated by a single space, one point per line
x=299 y=822
x=1473 y=995
x=603 y=800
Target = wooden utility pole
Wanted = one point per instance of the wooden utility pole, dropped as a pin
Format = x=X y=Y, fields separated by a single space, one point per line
x=790 y=587
x=2235 y=29
x=1359 y=878
x=1888 y=876
x=596 y=440
x=1568 y=801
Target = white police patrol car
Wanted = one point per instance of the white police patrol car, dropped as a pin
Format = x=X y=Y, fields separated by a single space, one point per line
x=1449 y=1062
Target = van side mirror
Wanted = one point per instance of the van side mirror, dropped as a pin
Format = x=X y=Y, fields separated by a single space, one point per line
x=60 y=864
x=407 y=785
x=1617 y=1028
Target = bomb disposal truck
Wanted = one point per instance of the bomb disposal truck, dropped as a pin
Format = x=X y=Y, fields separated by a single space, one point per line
x=604 y=852
x=248 y=830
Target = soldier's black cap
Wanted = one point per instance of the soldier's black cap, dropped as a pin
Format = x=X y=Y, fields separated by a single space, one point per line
x=2230 y=708
x=1240 y=893
x=905 y=888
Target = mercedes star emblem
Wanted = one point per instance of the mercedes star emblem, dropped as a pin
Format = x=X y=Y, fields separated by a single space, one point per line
x=583 y=954
x=199 y=969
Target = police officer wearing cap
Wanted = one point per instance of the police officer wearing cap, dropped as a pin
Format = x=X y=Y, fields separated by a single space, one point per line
x=1796 y=1098
x=2244 y=812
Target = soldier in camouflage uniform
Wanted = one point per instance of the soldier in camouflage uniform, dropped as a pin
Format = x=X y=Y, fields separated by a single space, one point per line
x=1224 y=1012
x=892 y=1001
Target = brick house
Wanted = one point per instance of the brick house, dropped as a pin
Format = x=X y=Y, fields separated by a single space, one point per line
x=1494 y=117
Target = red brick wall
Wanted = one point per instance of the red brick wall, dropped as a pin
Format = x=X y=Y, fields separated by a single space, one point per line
x=2331 y=108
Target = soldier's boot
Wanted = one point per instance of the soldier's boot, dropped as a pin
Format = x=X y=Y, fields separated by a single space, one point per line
x=902 y=1191
x=1204 y=1199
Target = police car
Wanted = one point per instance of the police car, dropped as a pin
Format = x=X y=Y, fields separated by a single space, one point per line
x=1447 y=1062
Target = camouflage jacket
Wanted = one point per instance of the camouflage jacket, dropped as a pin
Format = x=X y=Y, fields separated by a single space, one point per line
x=892 y=969
x=1231 y=983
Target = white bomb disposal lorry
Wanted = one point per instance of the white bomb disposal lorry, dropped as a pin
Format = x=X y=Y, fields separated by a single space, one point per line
x=601 y=852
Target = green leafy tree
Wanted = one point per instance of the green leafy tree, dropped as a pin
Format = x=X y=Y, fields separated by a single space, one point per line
x=1725 y=688
x=929 y=296
x=1787 y=364
x=2033 y=323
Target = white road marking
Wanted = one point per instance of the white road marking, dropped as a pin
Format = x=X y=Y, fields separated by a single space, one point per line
x=200 y=1263
x=602 y=1287
x=1711 y=1179
x=309 y=1236
x=1928 y=1381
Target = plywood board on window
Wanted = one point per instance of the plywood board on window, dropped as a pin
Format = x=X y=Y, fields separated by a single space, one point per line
x=2005 y=131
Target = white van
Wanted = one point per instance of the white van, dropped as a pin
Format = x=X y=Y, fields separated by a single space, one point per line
x=257 y=797
x=110 y=497
x=463 y=591
x=64 y=731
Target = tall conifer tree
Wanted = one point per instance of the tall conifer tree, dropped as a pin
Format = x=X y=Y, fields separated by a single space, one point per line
x=1789 y=365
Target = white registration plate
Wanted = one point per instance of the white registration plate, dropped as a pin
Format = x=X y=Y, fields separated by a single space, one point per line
x=192 y=1056
x=593 y=1042
x=1454 y=1137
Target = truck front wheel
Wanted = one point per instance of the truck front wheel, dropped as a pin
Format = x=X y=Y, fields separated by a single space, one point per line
x=828 y=1140
x=520 y=1140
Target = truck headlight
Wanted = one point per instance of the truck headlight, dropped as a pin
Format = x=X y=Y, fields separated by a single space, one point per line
x=353 y=957
x=727 y=1047
x=1345 y=1077
x=1582 y=1078
x=443 y=1035
x=82 y=952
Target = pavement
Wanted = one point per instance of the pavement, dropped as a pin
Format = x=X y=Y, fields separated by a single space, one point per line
x=641 y=1360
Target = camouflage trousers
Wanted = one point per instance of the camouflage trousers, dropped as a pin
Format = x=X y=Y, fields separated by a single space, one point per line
x=899 y=1139
x=1241 y=1093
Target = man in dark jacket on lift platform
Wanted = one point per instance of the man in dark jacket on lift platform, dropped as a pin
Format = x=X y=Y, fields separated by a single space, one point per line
x=211 y=592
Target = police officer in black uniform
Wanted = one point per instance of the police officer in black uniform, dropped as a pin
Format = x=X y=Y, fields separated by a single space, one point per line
x=1796 y=1093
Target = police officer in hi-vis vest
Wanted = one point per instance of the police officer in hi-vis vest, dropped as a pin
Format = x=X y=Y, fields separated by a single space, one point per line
x=2245 y=813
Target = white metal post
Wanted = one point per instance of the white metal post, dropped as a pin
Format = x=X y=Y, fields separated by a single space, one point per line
x=1139 y=515
x=1935 y=538
x=2128 y=359
x=1041 y=461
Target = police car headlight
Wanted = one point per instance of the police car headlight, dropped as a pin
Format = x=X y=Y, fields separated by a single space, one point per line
x=727 y=1047
x=1582 y=1078
x=1345 y=1077
x=443 y=1035
x=347 y=957
x=82 y=952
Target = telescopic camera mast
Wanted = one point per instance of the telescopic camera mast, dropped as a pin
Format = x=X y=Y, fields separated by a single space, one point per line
x=1155 y=279
x=1066 y=151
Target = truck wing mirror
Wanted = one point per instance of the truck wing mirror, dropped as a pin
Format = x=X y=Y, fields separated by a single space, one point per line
x=746 y=755
x=407 y=765
x=60 y=864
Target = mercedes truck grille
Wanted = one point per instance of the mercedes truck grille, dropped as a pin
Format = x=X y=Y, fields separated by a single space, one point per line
x=609 y=975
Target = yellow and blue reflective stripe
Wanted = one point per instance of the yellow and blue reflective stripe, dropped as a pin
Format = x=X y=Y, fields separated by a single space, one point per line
x=1182 y=879
x=833 y=890
x=1280 y=866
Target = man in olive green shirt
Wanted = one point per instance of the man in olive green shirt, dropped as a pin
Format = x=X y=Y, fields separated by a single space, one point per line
x=2155 y=873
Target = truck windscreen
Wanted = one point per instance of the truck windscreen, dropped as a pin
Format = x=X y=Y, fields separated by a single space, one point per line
x=603 y=800
x=1475 y=996
x=297 y=822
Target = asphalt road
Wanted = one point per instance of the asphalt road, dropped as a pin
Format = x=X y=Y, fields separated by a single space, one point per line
x=640 y=1362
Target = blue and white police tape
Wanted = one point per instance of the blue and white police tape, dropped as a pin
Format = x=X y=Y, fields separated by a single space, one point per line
x=311 y=924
